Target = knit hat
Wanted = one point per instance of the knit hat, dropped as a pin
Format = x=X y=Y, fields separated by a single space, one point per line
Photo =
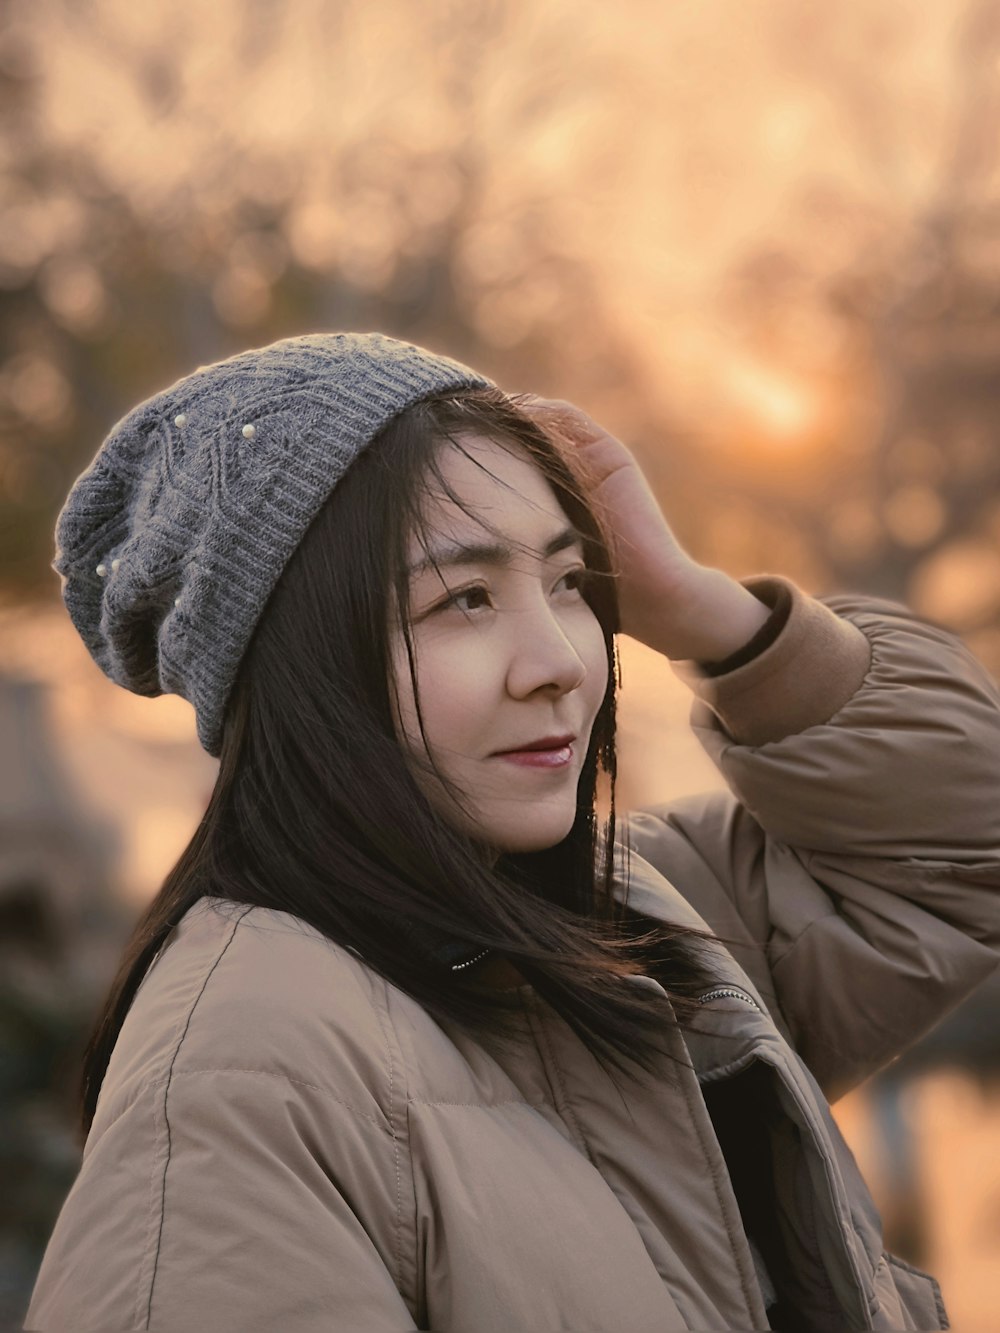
x=171 y=541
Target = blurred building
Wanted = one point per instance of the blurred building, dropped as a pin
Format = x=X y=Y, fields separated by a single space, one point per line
x=60 y=931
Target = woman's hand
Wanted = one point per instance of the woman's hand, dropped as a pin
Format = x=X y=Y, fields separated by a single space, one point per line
x=666 y=598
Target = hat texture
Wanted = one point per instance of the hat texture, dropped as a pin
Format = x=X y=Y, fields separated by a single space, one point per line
x=171 y=541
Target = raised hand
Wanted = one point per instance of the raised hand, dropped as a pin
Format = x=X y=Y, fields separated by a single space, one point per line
x=666 y=598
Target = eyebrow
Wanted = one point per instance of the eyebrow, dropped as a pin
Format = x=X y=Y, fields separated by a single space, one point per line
x=492 y=553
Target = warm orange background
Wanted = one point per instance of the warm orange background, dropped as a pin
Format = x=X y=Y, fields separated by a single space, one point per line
x=759 y=242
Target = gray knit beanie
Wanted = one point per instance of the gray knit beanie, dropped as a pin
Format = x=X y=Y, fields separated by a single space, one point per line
x=171 y=541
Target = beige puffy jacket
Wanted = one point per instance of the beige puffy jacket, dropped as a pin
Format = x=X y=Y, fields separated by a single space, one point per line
x=285 y=1143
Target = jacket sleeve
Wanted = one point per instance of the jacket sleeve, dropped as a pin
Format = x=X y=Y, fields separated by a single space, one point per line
x=855 y=858
x=209 y=1204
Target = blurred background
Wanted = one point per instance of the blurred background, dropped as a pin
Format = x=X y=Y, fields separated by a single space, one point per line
x=760 y=243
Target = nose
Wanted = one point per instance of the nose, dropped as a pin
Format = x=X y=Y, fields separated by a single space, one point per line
x=543 y=655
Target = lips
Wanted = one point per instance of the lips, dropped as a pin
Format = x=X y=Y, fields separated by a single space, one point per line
x=545 y=743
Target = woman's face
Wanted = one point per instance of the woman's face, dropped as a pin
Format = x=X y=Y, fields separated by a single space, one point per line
x=507 y=651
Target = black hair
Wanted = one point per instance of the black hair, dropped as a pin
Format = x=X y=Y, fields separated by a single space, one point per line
x=316 y=811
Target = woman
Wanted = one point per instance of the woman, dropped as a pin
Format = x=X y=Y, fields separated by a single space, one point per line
x=411 y=1037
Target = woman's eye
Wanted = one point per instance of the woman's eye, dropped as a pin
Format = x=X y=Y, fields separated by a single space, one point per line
x=576 y=578
x=579 y=578
x=457 y=597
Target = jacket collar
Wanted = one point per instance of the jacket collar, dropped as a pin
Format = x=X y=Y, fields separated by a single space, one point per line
x=738 y=1029
x=652 y=894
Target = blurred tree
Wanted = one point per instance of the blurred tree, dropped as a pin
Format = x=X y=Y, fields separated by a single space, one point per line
x=117 y=281
x=543 y=196
x=914 y=507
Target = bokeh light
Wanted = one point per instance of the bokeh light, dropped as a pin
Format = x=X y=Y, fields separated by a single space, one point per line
x=760 y=244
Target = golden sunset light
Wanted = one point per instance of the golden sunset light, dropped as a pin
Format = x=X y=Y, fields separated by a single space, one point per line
x=759 y=244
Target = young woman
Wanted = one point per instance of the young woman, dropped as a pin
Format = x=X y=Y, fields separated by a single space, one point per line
x=415 y=1036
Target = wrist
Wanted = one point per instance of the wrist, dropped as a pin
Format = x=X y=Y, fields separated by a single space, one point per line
x=706 y=618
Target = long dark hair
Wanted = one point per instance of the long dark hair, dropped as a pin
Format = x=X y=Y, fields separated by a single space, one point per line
x=315 y=812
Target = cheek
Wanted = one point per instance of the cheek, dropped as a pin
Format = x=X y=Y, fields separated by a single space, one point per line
x=595 y=655
x=456 y=682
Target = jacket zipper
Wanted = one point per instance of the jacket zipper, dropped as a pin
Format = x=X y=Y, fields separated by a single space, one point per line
x=836 y=1193
x=731 y=991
